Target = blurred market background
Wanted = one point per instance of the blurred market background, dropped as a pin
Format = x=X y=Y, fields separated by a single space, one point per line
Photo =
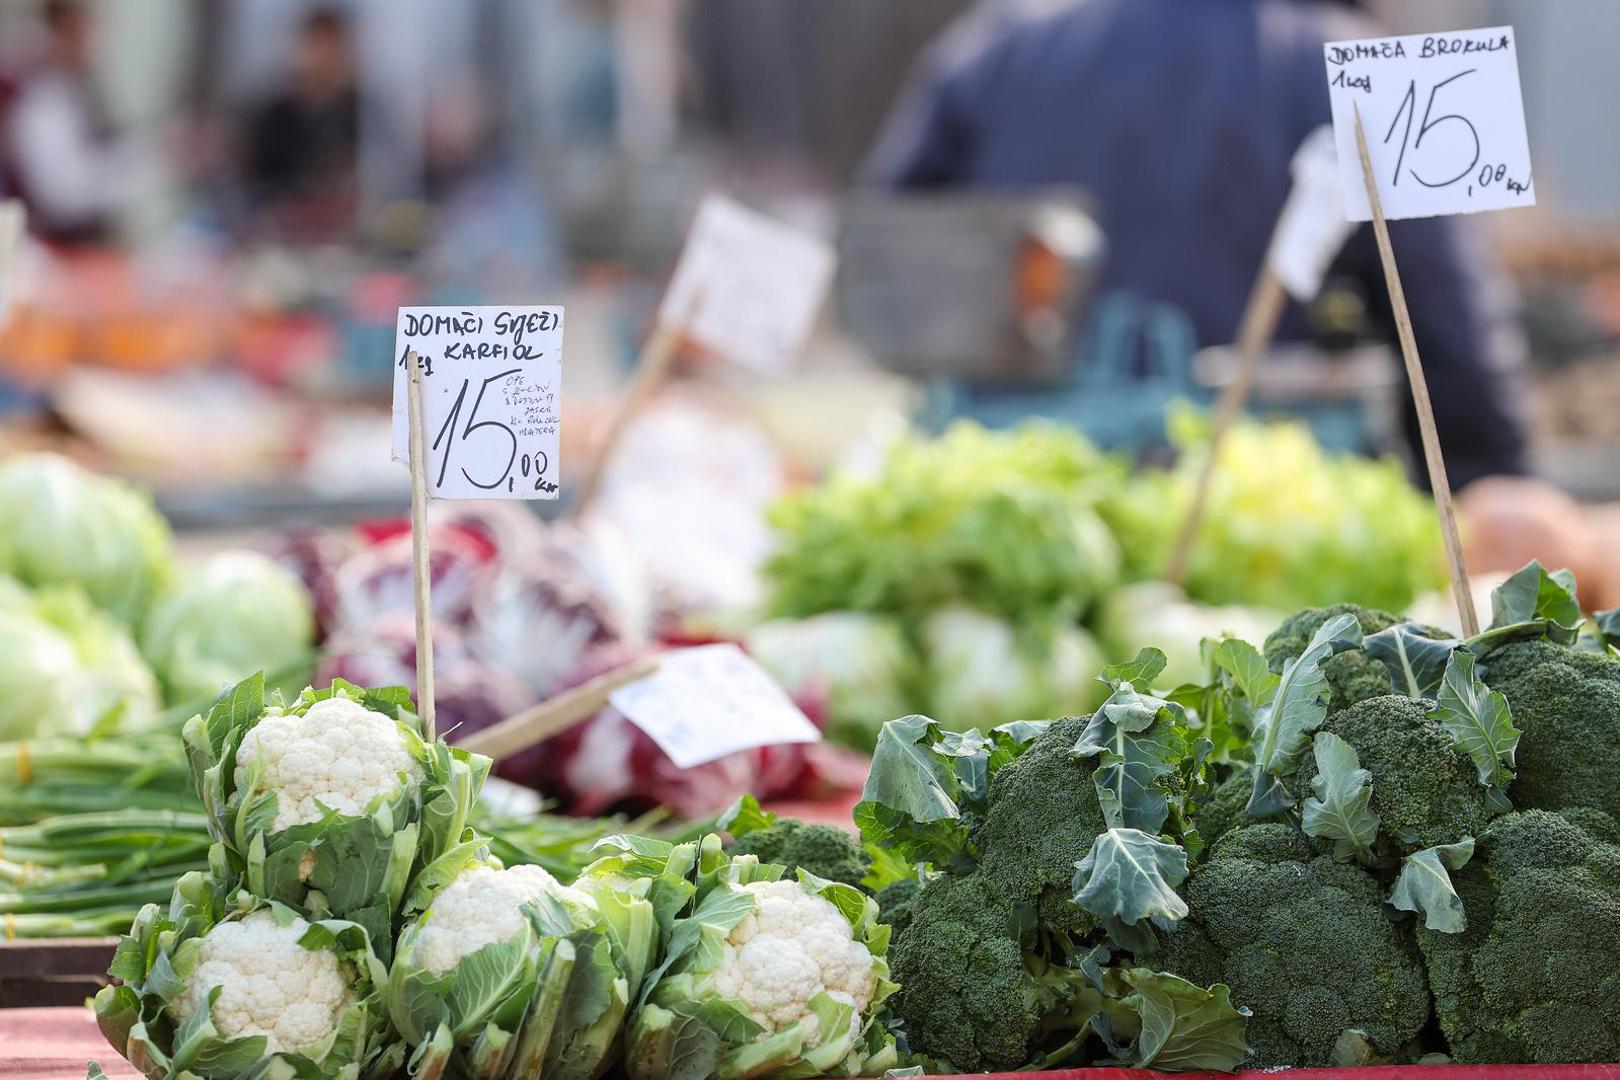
x=227 y=201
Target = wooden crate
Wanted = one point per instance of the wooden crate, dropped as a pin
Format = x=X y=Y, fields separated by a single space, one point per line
x=34 y=974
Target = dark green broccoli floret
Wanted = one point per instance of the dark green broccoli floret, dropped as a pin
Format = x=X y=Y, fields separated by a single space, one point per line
x=966 y=997
x=1303 y=941
x=1535 y=978
x=1352 y=675
x=822 y=850
x=895 y=901
x=1226 y=808
x=1425 y=790
x=1042 y=819
x=1566 y=703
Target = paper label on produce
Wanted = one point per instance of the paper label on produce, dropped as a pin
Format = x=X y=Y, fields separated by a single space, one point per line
x=1444 y=118
x=710 y=701
x=491 y=399
x=748 y=287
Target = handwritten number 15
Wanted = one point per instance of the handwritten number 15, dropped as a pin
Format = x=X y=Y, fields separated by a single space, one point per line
x=447 y=433
x=1409 y=109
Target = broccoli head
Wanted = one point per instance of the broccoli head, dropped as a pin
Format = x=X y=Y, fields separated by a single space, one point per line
x=822 y=850
x=1043 y=817
x=1535 y=978
x=965 y=994
x=1425 y=790
x=895 y=901
x=1566 y=704
x=1352 y=675
x=1227 y=806
x=1303 y=941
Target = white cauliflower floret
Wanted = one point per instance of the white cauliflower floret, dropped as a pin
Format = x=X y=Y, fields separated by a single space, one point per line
x=269 y=984
x=791 y=947
x=339 y=754
x=484 y=905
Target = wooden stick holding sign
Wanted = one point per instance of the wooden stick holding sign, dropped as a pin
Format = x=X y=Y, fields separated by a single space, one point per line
x=1309 y=232
x=554 y=716
x=1439 y=482
x=421 y=571
x=1259 y=325
x=747 y=288
x=1448 y=114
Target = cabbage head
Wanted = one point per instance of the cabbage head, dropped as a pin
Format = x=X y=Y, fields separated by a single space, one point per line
x=238 y=613
x=65 y=525
x=859 y=666
x=984 y=671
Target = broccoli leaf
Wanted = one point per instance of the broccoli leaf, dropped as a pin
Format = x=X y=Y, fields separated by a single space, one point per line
x=1247 y=667
x=1535 y=594
x=1138 y=740
x=745 y=816
x=1185 y=1027
x=1608 y=626
x=1415 y=661
x=1425 y=885
x=909 y=804
x=1283 y=726
x=1479 y=719
x=1131 y=876
x=1341 y=810
x=1138 y=673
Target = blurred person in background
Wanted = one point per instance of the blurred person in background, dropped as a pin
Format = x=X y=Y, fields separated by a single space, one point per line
x=302 y=145
x=1179 y=119
x=62 y=157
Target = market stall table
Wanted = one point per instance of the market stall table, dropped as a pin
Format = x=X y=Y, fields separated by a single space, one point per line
x=44 y=1044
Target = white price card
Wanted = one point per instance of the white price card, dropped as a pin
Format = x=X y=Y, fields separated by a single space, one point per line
x=747 y=286
x=491 y=397
x=1444 y=118
x=706 y=702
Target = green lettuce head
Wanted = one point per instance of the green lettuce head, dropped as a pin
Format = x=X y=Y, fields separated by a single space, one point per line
x=335 y=803
x=222 y=985
x=238 y=613
x=65 y=525
x=67 y=667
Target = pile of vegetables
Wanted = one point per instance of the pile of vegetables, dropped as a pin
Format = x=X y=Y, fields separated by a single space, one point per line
x=1369 y=842
x=984 y=576
x=350 y=922
x=101 y=630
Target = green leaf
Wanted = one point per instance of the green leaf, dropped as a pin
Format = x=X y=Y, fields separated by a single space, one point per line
x=1138 y=741
x=1607 y=624
x=1341 y=807
x=1415 y=661
x=1247 y=668
x=909 y=804
x=1185 y=1027
x=1479 y=719
x=1131 y=876
x=745 y=816
x=1535 y=594
x=1138 y=673
x=666 y=1045
x=1424 y=885
x=1284 y=725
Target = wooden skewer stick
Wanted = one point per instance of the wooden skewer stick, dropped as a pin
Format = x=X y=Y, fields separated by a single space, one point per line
x=1438 y=480
x=420 y=568
x=652 y=368
x=532 y=726
x=1259 y=326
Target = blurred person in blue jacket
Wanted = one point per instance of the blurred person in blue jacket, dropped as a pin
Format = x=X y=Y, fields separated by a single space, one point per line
x=1179 y=119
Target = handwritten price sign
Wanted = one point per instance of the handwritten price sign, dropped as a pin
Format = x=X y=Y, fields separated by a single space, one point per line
x=491 y=394
x=1444 y=118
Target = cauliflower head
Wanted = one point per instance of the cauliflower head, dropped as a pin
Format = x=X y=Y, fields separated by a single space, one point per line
x=338 y=755
x=269 y=984
x=484 y=905
x=791 y=947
